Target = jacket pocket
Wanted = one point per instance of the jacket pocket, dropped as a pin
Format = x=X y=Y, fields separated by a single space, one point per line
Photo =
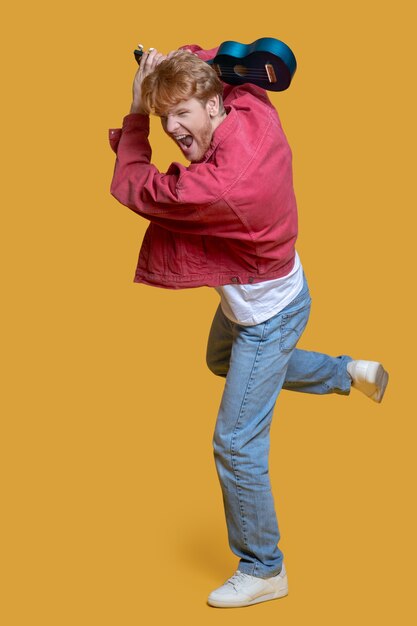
x=194 y=254
x=161 y=252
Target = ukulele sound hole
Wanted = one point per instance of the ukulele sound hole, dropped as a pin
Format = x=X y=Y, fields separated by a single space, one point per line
x=240 y=70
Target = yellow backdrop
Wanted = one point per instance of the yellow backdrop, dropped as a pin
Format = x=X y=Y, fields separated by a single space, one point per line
x=111 y=509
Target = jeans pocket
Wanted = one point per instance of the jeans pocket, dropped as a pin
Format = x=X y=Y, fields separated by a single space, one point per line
x=292 y=326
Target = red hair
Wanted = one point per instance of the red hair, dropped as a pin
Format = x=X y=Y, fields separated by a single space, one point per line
x=181 y=77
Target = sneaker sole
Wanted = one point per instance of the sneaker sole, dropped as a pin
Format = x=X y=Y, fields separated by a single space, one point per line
x=224 y=604
x=381 y=381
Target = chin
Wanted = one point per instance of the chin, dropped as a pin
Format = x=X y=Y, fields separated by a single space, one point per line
x=193 y=157
x=198 y=154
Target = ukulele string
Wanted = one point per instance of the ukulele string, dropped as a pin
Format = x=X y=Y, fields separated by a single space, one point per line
x=247 y=73
x=243 y=70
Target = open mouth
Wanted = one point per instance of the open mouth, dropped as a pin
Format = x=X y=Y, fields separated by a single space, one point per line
x=184 y=140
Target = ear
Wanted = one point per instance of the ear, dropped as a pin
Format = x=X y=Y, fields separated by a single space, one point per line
x=213 y=106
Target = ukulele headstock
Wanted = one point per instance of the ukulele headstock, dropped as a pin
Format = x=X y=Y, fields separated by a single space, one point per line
x=138 y=53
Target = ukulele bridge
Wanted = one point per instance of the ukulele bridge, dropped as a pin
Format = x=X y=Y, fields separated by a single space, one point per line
x=270 y=73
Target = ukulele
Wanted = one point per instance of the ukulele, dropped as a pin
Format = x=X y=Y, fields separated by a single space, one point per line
x=267 y=63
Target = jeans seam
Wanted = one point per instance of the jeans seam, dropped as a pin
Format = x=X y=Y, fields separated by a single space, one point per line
x=234 y=434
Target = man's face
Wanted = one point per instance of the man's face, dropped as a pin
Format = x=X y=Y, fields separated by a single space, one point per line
x=190 y=124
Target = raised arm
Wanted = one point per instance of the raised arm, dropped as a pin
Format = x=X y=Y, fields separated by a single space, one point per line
x=177 y=194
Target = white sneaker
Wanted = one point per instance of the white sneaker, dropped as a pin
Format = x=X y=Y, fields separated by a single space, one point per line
x=369 y=377
x=243 y=590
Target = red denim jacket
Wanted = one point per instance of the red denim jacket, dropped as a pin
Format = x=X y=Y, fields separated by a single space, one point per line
x=229 y=218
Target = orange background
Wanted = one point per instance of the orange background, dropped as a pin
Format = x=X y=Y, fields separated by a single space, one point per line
x=111 y=509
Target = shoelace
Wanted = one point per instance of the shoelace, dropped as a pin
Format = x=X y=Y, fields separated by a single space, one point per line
x=238 y=579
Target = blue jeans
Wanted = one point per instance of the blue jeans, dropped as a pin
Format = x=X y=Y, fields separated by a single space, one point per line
x=258 y=361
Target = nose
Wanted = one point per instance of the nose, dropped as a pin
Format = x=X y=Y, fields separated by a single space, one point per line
x=171 y=124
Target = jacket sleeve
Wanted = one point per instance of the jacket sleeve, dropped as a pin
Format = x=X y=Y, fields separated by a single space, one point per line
x=178 y=194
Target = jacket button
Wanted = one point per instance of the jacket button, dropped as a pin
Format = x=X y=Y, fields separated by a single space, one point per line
x=251 y=279
x=234 y=279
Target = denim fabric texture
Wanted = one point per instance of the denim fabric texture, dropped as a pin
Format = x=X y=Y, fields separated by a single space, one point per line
x=257 y=362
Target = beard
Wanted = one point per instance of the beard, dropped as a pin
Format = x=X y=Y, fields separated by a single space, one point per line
x=203 y=141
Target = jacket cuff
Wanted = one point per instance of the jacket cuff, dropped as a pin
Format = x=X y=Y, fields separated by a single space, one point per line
x=133 y=121
x=114 y=138
x=136 y=120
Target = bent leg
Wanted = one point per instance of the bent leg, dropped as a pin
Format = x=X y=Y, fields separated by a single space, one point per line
x=314 y=372
x=307 y=372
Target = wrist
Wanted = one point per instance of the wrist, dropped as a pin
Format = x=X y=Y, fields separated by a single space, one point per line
x=136 y=108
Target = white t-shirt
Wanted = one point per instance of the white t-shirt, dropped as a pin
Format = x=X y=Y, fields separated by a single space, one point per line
x=248 y=305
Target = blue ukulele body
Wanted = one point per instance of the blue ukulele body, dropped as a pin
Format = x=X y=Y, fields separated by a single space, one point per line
x=267 y=62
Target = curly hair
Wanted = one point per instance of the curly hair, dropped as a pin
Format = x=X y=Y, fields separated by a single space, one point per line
x=178 y=78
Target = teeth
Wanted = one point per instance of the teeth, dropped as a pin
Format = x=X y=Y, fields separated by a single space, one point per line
x=185 y=139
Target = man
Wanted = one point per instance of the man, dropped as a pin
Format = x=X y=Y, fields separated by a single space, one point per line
x=229 y=221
